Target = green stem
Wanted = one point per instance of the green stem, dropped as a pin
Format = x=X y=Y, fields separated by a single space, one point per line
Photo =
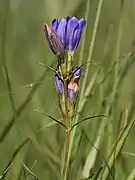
x=67 y=136
x=65 y=167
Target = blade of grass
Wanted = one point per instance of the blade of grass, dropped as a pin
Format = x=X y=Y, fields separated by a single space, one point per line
x=27 y=174
x=118 y=147
x=8 y=166
x=46 y=126
x=132 y=175
x=91 y=47
x=4 y=35
x=81 y=100
x=54 y=169
x=21 y=108
x=128 y=154
x=46 y=66
x=30 y=172
x=43 y=113
x=44 y=151
x=86 y=119
x=102 y=156
x=9 y=86
x=90 y=161
x=16 y=152
x=84 y=34
x=87 y=93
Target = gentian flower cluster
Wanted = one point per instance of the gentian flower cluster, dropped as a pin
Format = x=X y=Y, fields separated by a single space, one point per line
x=63 y=38
x=64 y=35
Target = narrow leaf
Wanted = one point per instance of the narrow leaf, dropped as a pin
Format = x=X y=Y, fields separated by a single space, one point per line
x=30 y=172
x=43 y=113
x=88 y=118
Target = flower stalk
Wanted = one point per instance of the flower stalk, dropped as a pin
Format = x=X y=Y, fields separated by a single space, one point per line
x=67 y=120
x=63 y=39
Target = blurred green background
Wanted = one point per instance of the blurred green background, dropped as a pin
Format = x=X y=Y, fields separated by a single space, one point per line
x=26 y=86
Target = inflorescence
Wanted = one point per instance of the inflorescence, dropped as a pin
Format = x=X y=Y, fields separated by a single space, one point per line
x=63 y=38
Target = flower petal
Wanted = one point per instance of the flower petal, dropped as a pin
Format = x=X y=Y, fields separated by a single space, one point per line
x=78 y=32
x=55 y=24
x=53 y=40
x=58 y=84
x=82 y=23
x=61 y=30
x=75 y=37
x=77 y=72
x=69 y=31
x=67 y=19
x=73 y=93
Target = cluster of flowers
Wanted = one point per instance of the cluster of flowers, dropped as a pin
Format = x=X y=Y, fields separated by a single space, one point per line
x=63 y=38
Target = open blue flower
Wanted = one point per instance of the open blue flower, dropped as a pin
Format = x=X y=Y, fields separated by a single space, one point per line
x=67 y=31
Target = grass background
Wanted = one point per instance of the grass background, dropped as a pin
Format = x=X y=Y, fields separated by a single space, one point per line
x=26 y=86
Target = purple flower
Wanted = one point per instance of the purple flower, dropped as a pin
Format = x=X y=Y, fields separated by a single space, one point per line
x=53 y=40
x=76 y=72
x=72 y=94
x=72 y=86
x=67 y=32
x=59 y=84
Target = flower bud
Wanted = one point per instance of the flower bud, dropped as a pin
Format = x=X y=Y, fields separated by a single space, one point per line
x=54 y=41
